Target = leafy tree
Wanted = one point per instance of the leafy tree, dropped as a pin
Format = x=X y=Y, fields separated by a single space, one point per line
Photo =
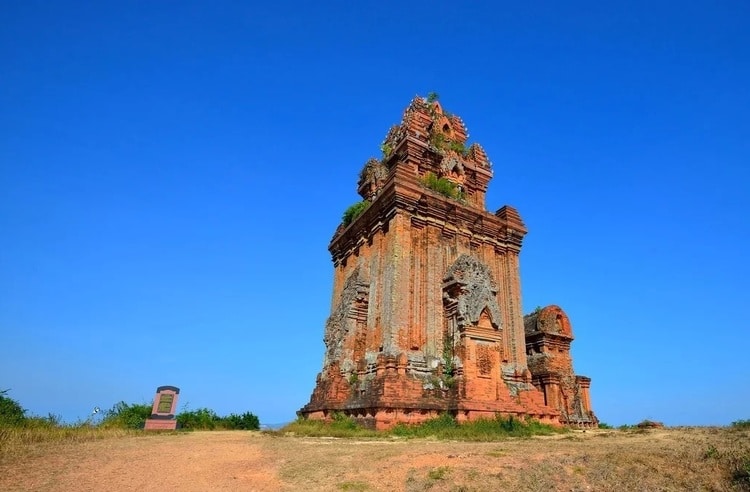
x=11 y=412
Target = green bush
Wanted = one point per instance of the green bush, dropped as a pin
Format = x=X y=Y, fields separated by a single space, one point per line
x=604 y=425
x=246 y=421
x=443 y=186
x=438 y=473
x=343 y=422
x=439 y=140
x=11 y=412
x=458 y=147
x=741 y=424
x=386 y=149
x=200 y=419
x=124 y=416
x=351 y=213
x=740 y=469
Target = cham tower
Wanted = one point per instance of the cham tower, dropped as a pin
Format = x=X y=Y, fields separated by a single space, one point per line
x=426 y=315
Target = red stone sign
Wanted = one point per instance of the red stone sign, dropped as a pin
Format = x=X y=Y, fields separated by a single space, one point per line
x=163 y=411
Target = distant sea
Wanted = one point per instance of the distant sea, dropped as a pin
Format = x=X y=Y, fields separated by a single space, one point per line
x=272 y=426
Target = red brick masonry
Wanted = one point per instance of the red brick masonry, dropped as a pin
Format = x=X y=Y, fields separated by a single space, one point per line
x=426 y=314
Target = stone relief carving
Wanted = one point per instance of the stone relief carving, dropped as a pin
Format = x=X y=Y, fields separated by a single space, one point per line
x=571 y=405
x=469 y=286
x=484 y=360
x=372 y=178
x=352 y=308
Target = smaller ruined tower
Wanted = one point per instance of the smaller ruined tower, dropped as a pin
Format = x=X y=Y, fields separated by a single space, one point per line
x=548 y=338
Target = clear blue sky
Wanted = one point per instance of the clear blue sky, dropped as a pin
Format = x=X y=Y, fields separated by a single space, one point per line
x=171 y=174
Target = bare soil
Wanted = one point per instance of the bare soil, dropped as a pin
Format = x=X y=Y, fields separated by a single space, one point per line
x=663 y=459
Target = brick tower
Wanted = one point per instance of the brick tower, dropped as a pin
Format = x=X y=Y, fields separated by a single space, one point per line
x=426 y=314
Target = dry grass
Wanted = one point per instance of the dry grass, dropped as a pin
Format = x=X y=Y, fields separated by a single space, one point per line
x=716 y=459
x=634 y=460
x=18 y=443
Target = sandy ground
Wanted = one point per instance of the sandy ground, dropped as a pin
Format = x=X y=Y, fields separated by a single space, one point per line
x=253 y=461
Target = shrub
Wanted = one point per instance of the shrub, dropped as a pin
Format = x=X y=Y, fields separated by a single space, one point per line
x=438 y=473
x=458 y=147
x=343 y=422
x=711 y=452
x=124 y=416
x=49 y=422
x=355 y=486
x=741 y=424
x=200 y=419
x=439 y=140
x=433 y=427
x=443 y=186
x=510 y=425
x=11 y=412
x=246 y=421
x=604 y=425
x=386 y=149
x=740 y=470
x=354 y=211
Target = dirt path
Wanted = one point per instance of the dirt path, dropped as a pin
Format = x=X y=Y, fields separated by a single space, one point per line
x=252 y=461
x=190 y=462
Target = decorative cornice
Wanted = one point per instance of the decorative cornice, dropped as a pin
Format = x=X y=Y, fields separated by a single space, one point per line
x=403 y=193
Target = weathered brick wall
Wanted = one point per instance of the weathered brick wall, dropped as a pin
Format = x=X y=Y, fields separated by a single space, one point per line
x=426 y=313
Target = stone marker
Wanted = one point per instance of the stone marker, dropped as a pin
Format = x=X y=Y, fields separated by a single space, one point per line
x=163 y=411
